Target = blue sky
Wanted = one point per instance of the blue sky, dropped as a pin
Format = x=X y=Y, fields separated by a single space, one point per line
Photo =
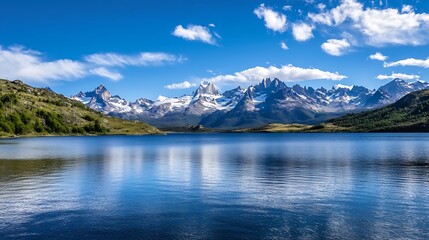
x=150 y=48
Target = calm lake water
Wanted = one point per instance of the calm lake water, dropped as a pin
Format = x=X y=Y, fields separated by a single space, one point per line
x=216 y=186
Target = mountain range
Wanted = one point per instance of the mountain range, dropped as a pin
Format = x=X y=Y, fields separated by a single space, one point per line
x=270 y=101
x=408 y=114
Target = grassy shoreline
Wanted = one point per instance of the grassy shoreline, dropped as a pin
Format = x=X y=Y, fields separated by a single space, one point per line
x=293 y=128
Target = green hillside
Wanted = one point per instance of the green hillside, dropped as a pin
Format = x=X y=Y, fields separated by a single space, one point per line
x=29 y=111
x=409 y=114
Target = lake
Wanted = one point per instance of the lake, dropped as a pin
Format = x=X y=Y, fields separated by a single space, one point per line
x=216 y=186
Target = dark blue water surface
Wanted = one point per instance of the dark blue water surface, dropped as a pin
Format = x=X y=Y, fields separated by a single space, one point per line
x=216 y=186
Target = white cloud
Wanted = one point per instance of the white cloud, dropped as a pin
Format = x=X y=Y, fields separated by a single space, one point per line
x=212 y=25
x=211 y=72
x=336 y=47
x=407 y=9
x=398 y=75
x=302 y=31
x=378 y=56
x=336 y=16
x=104 y=72
x=409 y=62
x=273 y=20
x=283 y=45
x=377 y=27
x=28 y=65
x=321 y=6
x=383 y=27
x=195 y=33
x=182 y=85
x=286 y=73
x=287 y=7
x=142 y=59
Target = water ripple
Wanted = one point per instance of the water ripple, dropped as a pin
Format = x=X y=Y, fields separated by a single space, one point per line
x=216 y=186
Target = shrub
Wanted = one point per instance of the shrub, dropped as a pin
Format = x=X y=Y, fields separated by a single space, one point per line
x=54 y=123
x=88 y=117
x=95 y=127
x=78 y=130
x=9 y=99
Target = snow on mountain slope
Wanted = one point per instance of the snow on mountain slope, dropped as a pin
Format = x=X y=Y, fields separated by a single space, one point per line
x=101 y=100
x=270 y=100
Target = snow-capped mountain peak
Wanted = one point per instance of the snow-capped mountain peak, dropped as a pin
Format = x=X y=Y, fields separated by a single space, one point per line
x=397 y=88
x=269 y=101
x=207 y=88
x=100 y=89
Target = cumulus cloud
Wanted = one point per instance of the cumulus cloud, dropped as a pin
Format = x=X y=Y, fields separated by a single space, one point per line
x=182 y=85
x=286 y=73
x=104 y=72
x=273 y=20
x=302 y=31
x=283 y=45
x=195 y=33
x=382 y=27
x=336 y=16
x=398 y=75
x=378 y=56
x=377 y=27
x=407 y=9
x=141 y=59
x=336 y=47
x=21 y=63
x=410 y=62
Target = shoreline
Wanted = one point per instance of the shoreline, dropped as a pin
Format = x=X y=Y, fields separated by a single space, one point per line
x=79 y=135
x=212 y=131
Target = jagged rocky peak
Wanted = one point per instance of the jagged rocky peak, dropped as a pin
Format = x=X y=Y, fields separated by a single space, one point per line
x=378 y=98
x=266 y=82
x=322 y=89
x=103 y=92
x=298 y=89
x=267 y=85
x=360 y=89
x=393 y=91
x=397 y=82
x=100 y=89
x=238 y=91
x=276 y=83
x=207 y=88
x=269 y=100
x=420 y=84
x=246 y=103
x=79 y=95
x=249 y=93
x=397 y=88
x=143 y=101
